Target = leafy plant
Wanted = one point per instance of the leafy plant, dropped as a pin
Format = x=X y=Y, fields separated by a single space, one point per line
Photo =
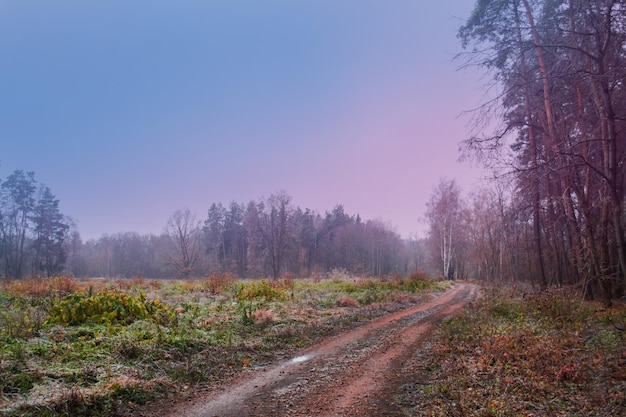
x=20 y=321
x=246 y=311
x=109 y=307
x=254 y=290
x=77 y=339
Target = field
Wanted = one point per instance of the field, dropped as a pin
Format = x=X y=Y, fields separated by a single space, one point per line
x=100 y=346
x=523 y=354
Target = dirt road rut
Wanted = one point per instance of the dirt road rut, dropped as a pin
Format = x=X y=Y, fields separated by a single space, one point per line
x=354 y=374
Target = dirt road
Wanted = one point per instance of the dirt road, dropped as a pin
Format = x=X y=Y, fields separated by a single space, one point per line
x=354 y=374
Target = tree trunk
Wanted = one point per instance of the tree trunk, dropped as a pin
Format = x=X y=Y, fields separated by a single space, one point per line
x=533 y=161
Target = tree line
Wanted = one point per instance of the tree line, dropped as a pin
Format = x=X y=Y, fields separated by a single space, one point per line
x=265 y=238
x=554 y=214
x=268 y=237
x=559 y=67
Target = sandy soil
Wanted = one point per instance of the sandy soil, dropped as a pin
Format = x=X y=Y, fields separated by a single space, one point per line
x=357 y=373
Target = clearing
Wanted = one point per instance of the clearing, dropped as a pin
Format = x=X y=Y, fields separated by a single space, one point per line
x=357 y=373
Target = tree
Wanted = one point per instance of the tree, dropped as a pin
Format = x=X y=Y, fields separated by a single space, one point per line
x=213 y=232
x=50 y=230
x=225 y=238
x=487 y=232
x=330 y=255
x=307 y=223
x=183 y=231
x=17 y=199
x=445 y=213
x=235 y=237
x=273 y=224
x=560 y=65
x=266 y=237
x=76 y=263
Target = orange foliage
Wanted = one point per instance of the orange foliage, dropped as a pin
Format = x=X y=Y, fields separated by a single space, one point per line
x=263 y=317
x=43 y=287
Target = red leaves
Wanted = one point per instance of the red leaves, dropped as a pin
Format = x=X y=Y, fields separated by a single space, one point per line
x=543 y=355
x=570 y=373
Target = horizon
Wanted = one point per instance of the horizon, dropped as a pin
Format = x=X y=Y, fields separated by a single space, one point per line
x=128 y=116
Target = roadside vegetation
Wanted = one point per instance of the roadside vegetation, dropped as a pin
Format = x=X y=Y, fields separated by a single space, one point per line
x=101 y=346
x=514 y=354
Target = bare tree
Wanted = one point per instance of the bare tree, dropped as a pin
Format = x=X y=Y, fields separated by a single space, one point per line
x=273 y=225
x=183 y=231
x=445 y=213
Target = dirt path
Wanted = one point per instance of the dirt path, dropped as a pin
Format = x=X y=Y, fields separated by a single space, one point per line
x=353 y=374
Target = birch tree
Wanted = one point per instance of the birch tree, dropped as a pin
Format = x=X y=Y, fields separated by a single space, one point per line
x=445 y=217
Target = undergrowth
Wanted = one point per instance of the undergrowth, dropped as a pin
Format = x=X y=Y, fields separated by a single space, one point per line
x=105 y=347
x=544 y=354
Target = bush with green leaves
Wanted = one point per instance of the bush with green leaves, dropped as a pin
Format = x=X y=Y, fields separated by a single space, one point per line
x=254 y=290
x=108 y=307
x=95 y=345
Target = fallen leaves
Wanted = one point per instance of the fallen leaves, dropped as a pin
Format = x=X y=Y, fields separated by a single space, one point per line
x=543 y=355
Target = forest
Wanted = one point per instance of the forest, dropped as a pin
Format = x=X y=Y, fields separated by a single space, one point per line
x=110 y=324
x=552 y=134
x=558 y=144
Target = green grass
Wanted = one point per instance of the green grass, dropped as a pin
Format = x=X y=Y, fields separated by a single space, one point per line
x=94 y=347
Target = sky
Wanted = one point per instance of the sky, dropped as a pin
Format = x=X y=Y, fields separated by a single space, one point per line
x=131 y=110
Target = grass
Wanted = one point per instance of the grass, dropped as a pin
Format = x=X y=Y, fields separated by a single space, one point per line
x=94 y=347
x=542 y=354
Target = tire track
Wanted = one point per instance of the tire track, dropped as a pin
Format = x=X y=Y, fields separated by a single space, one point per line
x=352 y=374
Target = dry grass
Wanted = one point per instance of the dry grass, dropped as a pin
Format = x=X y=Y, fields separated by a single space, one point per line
x=547 y=354
x=347 y=301
x=62 y=353
x=263 y=318
x=41 y=287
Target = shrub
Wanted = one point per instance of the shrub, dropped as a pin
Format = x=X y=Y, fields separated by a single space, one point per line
x=415 y=285
x=418 y=275
x=21 y=322
x=259 y=289
x=108 y=307
x=340 y=274
x=43 y=287
x=217 y=283
x=507 y=309
x=288 y=281
x=128 y=348
x=263 y=318
x=345 y=286
x=556 y=307
x=403 y=298
x=246 y=311
x=22 y=382
x=347 y=301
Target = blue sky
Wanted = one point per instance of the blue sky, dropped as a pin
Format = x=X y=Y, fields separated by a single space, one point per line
x=129 y=110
